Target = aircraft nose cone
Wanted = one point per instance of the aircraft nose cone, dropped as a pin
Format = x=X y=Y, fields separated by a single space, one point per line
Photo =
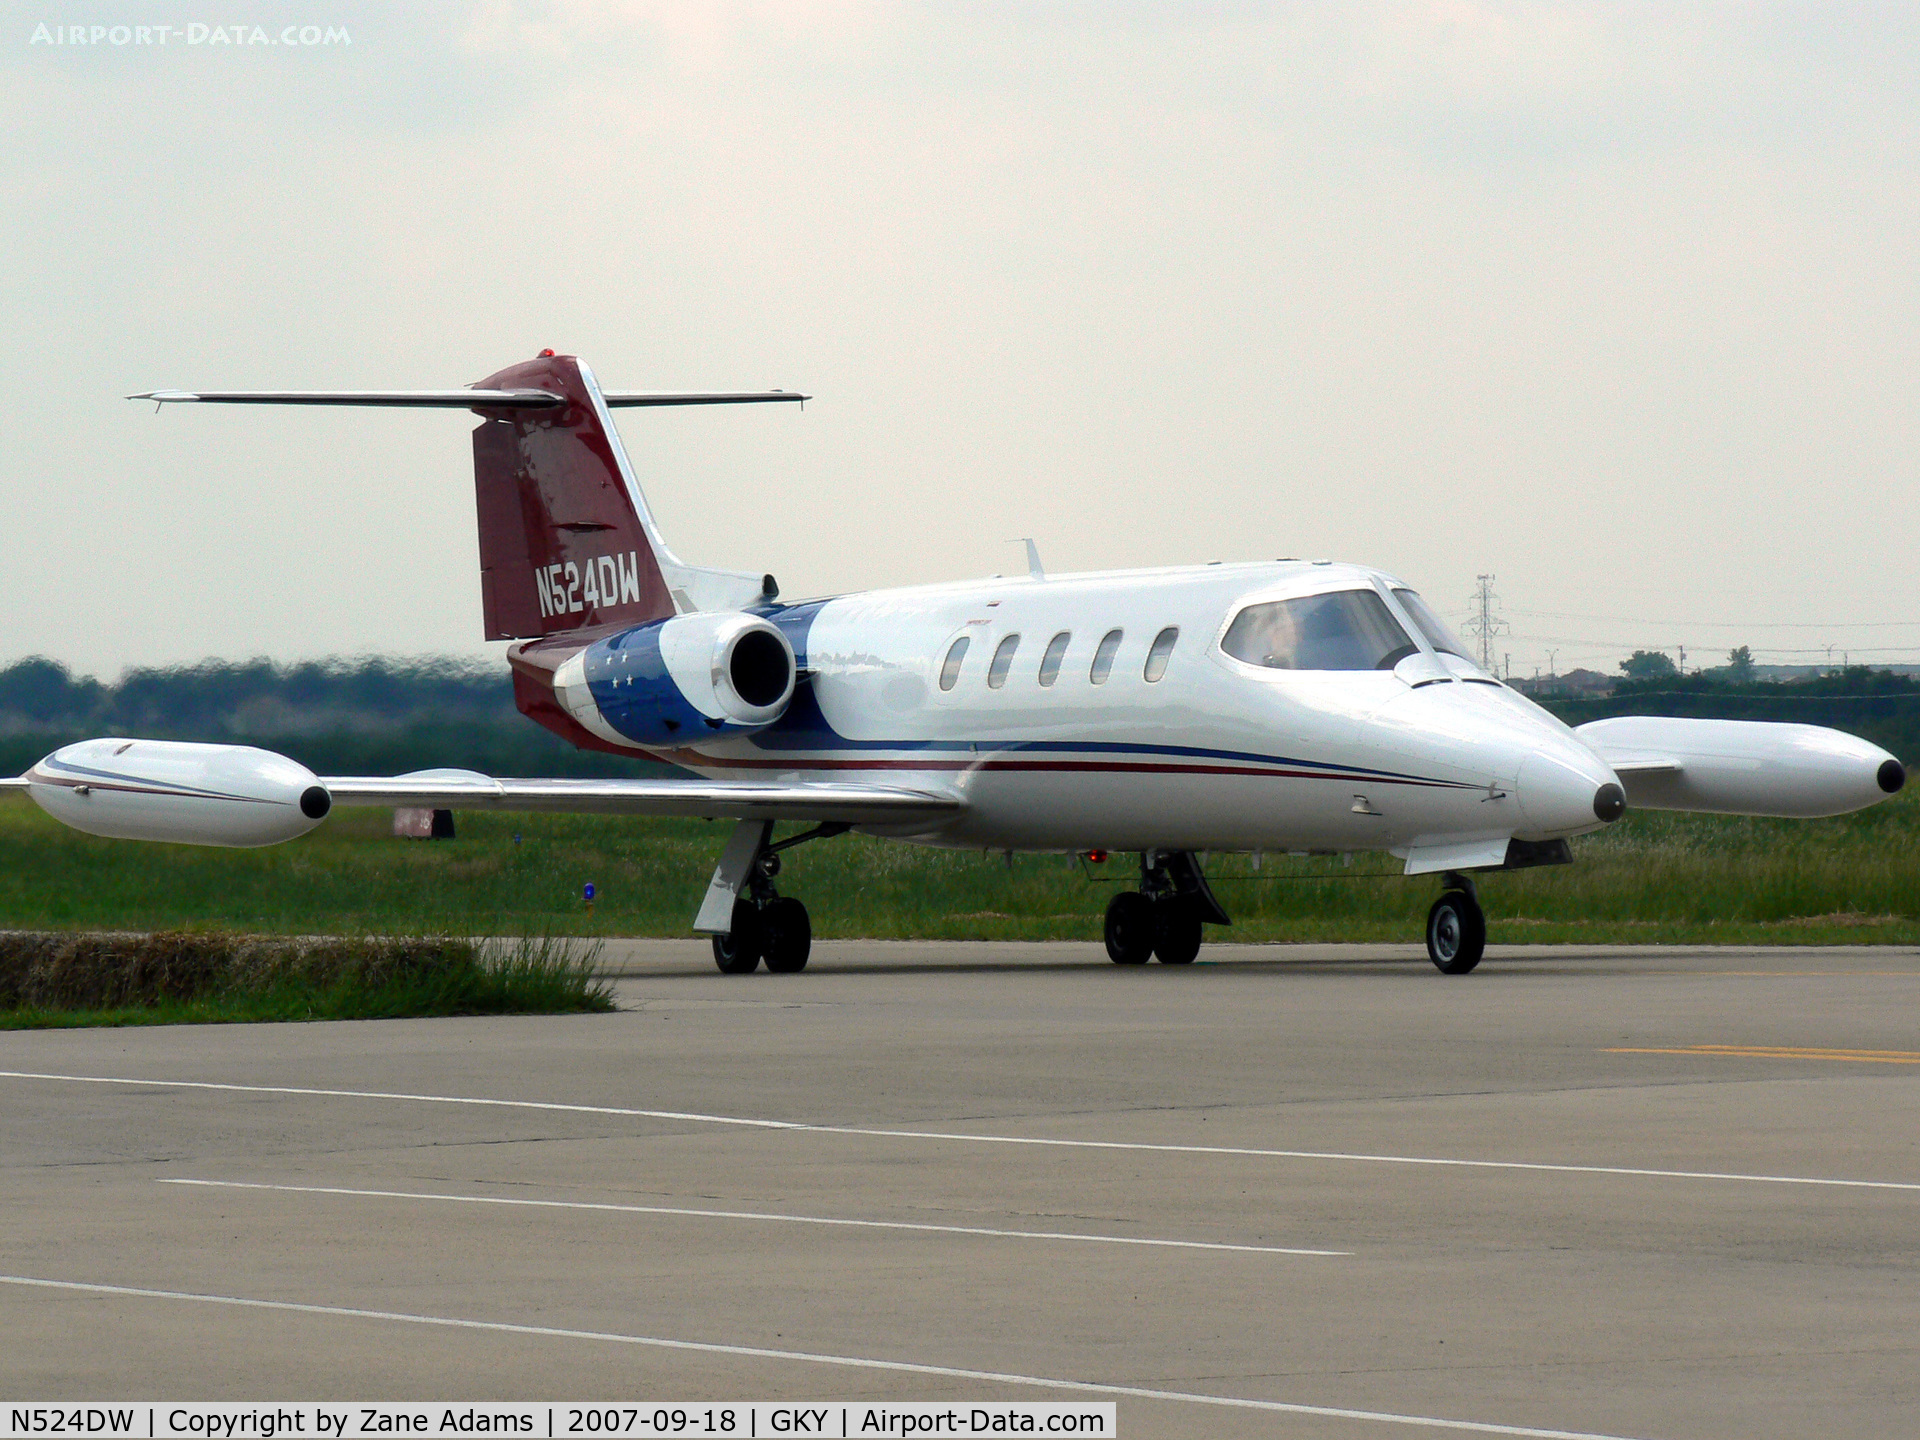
x=1892 y=776
x=1565 y=789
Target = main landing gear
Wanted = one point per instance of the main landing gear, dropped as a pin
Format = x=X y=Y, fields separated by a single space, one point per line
x=1163 y=917
x=766 y=925
x=778 y=932
x=1456 y=927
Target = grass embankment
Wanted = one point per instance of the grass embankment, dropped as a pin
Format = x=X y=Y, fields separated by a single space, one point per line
x=1652 y=877
x=55 y=980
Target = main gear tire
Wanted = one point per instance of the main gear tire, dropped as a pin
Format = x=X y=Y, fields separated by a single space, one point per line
x=788 y=936
x=738 y=952
x=1176 y=931
x=1130 y=928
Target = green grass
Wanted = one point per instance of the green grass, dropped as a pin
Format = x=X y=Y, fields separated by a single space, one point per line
x=50 y=982
x=1652 y=877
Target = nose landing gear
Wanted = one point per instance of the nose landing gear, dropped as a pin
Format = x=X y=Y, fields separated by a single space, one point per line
x=1130 y=928
x=1163 y=917
x=1456 y=927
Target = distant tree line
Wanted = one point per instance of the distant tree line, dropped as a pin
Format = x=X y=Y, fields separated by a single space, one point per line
x=384 y=717
x=1877 y=705
x=367 y=716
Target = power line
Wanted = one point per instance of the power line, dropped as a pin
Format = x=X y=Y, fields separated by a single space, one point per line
x=1725 y=624
x=1599 y=644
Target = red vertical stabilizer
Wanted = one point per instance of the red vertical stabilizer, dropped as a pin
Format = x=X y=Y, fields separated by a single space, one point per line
x=562 y=546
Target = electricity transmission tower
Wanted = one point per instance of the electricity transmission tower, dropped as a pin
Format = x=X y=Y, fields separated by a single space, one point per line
x=1483 y=625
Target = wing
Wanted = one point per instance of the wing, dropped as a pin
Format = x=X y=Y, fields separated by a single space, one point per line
x=191 y=794
x=700 y=799
x=1638 y=748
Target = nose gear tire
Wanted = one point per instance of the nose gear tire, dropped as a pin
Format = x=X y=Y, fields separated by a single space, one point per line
x=1456 y=933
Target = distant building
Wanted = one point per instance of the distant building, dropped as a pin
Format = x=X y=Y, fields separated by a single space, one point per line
x=1573 y=683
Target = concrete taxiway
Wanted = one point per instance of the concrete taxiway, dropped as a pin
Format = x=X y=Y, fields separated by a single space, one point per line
x=1297 y=1191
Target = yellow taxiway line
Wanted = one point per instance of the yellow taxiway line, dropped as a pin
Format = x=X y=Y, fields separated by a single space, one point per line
x=1775 y=1052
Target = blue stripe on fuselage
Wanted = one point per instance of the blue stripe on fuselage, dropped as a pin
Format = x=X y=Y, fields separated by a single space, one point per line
x=812 y=733
x=804 y=727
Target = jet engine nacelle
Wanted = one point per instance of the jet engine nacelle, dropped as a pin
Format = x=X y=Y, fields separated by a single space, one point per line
x=681 y=680
x=1743 y=767
x=169 y=790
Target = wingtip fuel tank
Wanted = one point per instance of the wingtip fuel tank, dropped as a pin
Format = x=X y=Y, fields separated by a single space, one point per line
x=1743 y=767
x=232 y=795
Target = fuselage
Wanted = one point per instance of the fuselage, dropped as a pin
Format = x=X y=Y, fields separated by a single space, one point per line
x=1072 y=719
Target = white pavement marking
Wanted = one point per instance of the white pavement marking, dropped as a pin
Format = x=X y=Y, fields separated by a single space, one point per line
x=808 y=1357
x=694 y=1117
x=756 y=1215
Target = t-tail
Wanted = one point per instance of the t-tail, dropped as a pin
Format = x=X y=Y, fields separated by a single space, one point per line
x=566 y=542
x=569 y=551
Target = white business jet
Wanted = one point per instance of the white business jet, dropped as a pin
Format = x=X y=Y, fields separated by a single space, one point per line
x=1287 y=706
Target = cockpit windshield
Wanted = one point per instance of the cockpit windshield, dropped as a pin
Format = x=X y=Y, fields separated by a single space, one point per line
x=1340 y=630
x=1431 y=625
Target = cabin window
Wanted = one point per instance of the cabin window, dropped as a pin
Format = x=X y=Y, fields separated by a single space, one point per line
x=1056 y=652
x=1341 y=630
x=1002 y=662
x=950 y=667
x=1431 y=625
x=1161 y=652
x=1103 y=657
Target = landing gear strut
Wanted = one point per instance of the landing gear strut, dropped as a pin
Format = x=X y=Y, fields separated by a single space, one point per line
x=764 y=924
x=1163 y=917
x=1456 y=927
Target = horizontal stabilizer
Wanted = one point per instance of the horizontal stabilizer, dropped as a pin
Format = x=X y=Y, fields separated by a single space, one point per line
x=617 y=398
x=704 y=799
x=442 y=399
x=466 y=399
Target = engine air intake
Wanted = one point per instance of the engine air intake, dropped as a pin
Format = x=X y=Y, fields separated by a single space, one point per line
x=760 y=667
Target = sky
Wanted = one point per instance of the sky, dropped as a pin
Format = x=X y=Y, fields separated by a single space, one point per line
x=1616 y=303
